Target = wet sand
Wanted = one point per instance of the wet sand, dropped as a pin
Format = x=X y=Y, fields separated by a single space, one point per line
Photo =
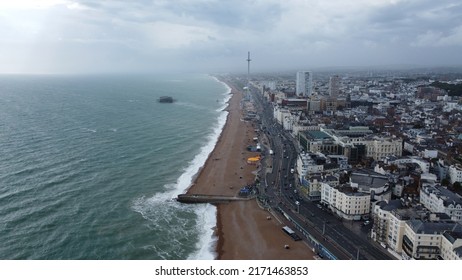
x=243 y=229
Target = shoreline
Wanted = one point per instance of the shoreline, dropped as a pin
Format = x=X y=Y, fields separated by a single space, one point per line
x=243 y=229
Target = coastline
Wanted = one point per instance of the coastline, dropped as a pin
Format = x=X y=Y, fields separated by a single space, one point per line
x=242 y=228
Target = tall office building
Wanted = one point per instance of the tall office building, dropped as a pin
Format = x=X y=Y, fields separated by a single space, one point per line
x=334 y=86
x=304 y=85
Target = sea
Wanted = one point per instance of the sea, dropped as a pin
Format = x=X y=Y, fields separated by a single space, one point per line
x=90 y=165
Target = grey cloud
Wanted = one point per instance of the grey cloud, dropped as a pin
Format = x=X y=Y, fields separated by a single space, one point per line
x=208 y=35
x=236 y=14
x=411 y=18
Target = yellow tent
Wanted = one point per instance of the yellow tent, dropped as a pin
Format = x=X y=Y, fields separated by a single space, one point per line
x=253 y=160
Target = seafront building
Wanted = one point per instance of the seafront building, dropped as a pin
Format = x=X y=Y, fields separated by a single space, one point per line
x=353 y=143
x=413 y=232
x=380 y=147
x=389 y=221
x=423 y=239
x=346 y=201
x=451 y=246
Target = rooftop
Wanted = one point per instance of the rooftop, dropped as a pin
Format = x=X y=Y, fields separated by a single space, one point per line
x=392 y=205
x=452 y=236
x=348 y=190
x=435 y=227
x=368 y=179
x=405 y=214
x=315 y=134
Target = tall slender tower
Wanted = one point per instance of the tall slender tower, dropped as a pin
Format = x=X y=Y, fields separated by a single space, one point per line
x=248 y=68
x=247 y=87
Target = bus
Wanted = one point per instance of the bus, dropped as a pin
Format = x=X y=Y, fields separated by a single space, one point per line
x=291 y=233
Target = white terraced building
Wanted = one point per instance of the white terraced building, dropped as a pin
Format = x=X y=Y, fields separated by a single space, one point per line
x=438 y=199
x=424 y=239
x=345 y=201
x=455 y=173
x=451 y=246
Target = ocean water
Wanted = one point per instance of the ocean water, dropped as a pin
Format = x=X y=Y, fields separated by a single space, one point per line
x=89 y=165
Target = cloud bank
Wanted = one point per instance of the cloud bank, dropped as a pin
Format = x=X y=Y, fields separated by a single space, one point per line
x=87 y=36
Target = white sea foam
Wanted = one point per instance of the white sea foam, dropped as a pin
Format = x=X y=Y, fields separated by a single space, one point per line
x=207 y=213
x=207 y=219
x=206 y=222
x=184 y=181
x=222 y=108
x=225 y=102
x=160 y=212
x=228 y=89
x=158 y=209
x=227 y=95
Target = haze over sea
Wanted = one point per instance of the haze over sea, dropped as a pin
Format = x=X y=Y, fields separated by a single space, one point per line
x=90 y=164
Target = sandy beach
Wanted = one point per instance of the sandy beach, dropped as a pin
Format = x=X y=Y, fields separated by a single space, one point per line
x=243 y=229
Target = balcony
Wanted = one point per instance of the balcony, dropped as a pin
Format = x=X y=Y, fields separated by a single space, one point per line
x=408 y=246
x=426 y=249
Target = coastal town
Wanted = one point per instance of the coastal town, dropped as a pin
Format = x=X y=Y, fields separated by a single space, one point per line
x=201 y=139
x=362 y=165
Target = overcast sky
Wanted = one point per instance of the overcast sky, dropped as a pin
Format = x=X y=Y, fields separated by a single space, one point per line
x=67 y=36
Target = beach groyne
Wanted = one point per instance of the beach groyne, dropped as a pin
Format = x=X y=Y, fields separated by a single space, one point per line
x=205 y=198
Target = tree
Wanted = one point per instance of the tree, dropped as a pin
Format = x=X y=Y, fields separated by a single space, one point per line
x=445 y=182
x=457 y=186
